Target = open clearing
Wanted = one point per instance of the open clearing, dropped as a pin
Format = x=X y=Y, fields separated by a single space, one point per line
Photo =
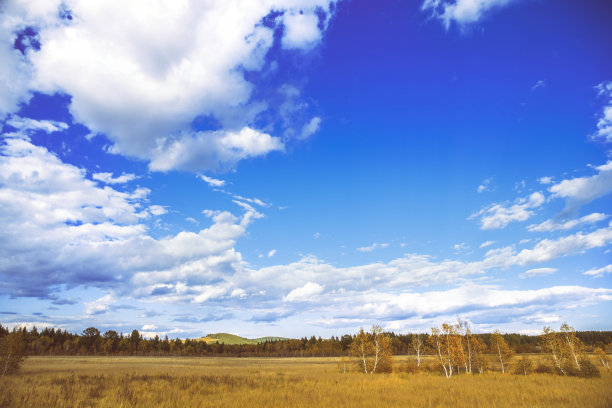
x=283 y=382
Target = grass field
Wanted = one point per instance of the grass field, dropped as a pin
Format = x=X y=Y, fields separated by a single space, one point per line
x=286 y=382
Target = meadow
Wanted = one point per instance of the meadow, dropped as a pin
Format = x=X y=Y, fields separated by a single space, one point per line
x=283 y=382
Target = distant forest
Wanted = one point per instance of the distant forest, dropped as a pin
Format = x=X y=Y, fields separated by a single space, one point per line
x=92 y=342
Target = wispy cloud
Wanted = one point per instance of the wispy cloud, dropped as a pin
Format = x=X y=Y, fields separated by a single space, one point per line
x=537 y=272
x=497 y=216
x=599 y=272
x=212 y=181
x=555 y=225
x=373 y=247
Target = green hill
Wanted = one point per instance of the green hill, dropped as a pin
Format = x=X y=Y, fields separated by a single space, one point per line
x=269 y=338
x=227 y=338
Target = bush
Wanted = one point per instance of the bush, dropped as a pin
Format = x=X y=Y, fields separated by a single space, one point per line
x=588 y=369
x=542 y=368
x=523 y=367
x=12 y=350
x=411 y=367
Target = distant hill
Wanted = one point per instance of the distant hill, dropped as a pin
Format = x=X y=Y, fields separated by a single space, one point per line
x=227 y=338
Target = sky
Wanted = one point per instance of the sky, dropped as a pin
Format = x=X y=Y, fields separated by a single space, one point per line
x=305 y=167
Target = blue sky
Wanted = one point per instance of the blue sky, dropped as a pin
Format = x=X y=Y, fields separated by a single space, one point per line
x=305 y=167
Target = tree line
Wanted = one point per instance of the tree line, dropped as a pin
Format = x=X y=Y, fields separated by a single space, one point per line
x=51 y=341
x=454 y=347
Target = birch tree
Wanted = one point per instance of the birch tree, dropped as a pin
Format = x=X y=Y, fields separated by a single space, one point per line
x=372 y=350
x=603 y=357
x=500 y=348
x=446 y=345
x=418 y=344
x=478 y=357
x=572 y=343
x=552 y=344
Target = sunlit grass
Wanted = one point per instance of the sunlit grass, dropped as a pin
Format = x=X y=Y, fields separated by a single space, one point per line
x=285 y=382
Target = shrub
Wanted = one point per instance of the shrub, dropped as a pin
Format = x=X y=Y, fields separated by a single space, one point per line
x=543 y=368
x=588 y=369
x=12 y=350
x=411 y=367
x=524 y=366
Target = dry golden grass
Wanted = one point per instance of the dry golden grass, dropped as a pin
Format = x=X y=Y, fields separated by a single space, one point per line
x=308 y=382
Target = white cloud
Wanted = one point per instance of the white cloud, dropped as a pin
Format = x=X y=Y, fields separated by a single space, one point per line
x=486 y=244
x=604 y=124
x=27 y=124
x=215 y=150
x=485 y=186
x=316 y=235
x=213 y=182
x=271 y=253
x=100 y=305
x=537 y=272
x=109 y=179
x=545 y=180
x=471 y=297
x=598 y=272
x=548 y=249
x=301 y=30
x=158 y=210
x=461 y=11
x=372 y=247
x=142 y=81
x=498 y=216
x=310 y=128
x=554 y=225
x=582 y=190
x=461 y=247
x=304 y=293
x=540 y=84
x=92 y=236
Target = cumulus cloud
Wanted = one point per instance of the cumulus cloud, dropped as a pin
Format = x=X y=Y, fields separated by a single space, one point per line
x=599 y=272
x=301 y=30
x=545 y=180
x=143 y=81
x=100 y=305
x=461 y=11
x=157 y=210
x=555 y=225
x=497 y=216
x=582 y=190
x=271 y=253
x=91 y=235
x=537 y=272
x=304 y=293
